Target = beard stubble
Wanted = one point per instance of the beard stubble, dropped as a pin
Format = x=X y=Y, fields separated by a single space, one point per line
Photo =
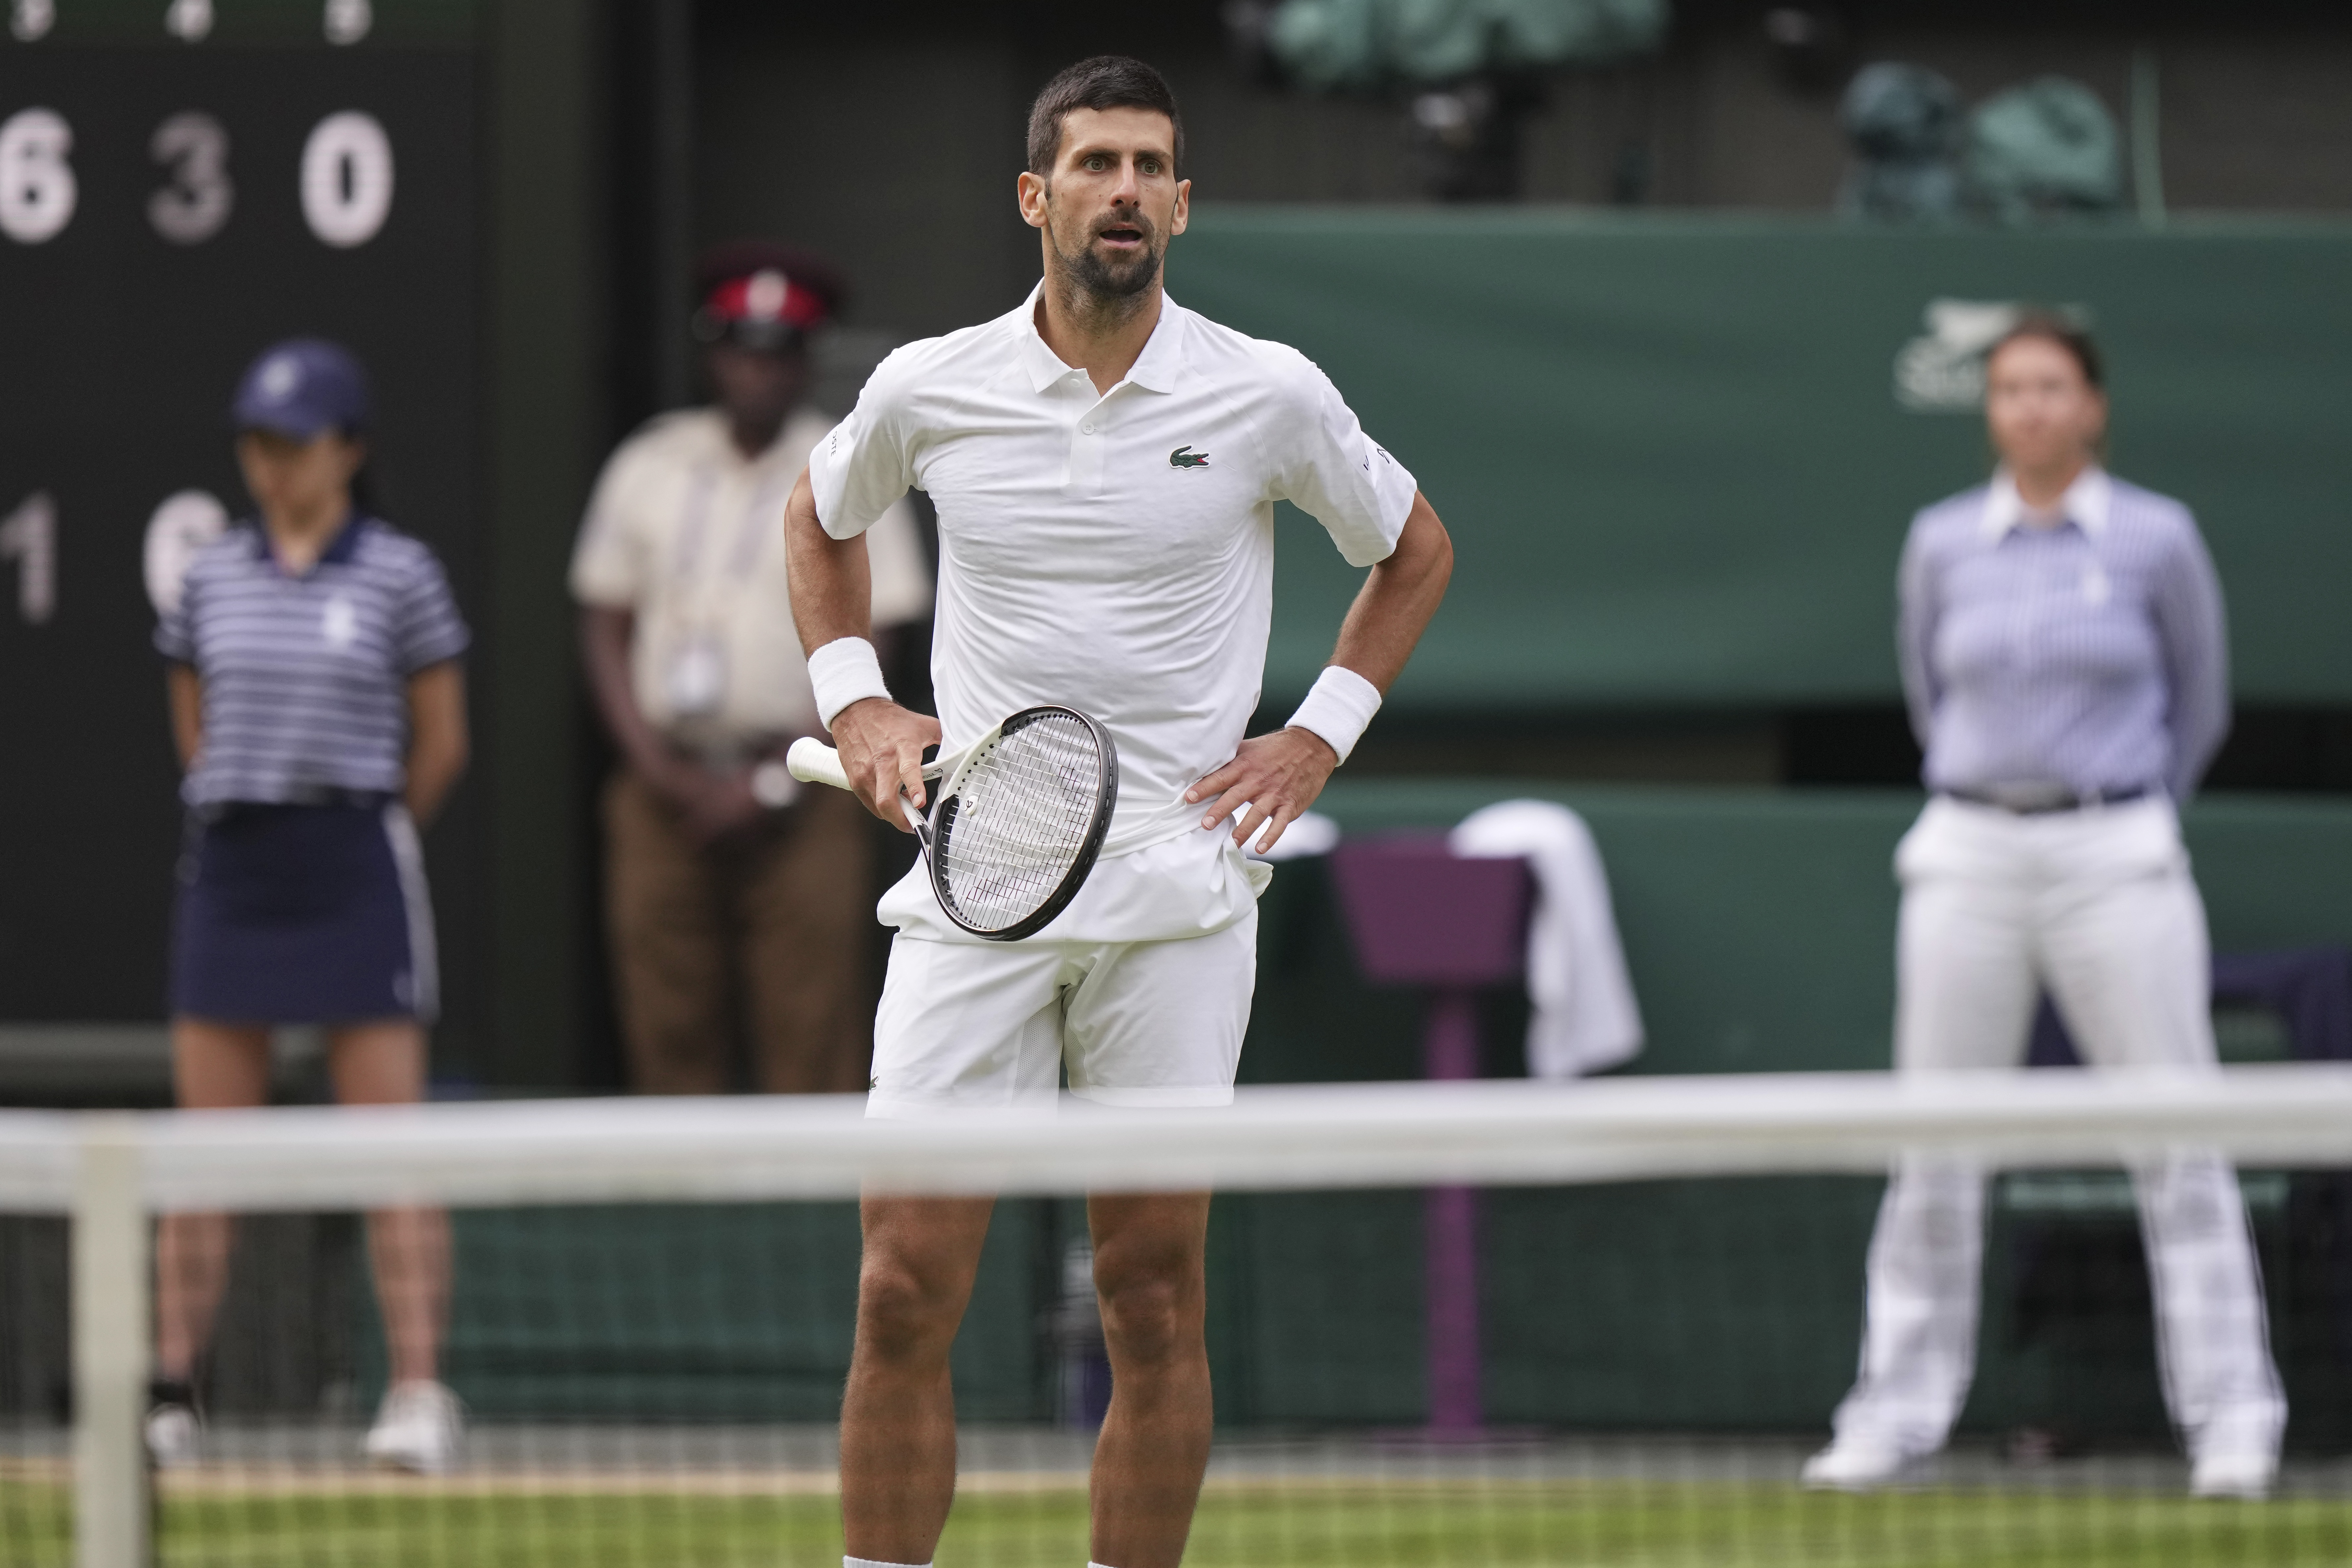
x=1110 y=283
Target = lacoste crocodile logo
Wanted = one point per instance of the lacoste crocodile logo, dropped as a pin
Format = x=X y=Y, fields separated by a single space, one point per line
x=1185 y=457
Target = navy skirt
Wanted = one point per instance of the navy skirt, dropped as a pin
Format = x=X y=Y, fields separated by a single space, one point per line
x=303 y=914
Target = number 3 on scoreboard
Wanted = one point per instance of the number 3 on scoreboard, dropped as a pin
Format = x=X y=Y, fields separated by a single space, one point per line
x=345 y=187
x=194 y=207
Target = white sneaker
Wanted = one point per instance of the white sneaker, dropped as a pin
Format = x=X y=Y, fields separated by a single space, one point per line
x=418 y=1428
x=1847 y=1466
x=2245 y=1474
x=171 y=1436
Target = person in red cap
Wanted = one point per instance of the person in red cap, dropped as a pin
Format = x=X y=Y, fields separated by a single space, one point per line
x=736 y=903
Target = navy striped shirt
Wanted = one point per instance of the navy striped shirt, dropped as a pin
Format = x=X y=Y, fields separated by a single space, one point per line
x=2089 y=654
x=306 y=678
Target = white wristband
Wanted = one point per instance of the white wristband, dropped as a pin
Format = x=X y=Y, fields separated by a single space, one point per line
x=1338 y=707
x=843 y=671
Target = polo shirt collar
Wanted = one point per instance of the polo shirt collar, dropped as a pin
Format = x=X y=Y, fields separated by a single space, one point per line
x=1044 y=367
x=2085 y=504
x=339 y=550
x=346 y=542
x=1155 y=368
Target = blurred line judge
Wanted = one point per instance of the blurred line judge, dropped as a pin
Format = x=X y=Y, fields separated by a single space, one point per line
x=737 y=904
x=2065 y=661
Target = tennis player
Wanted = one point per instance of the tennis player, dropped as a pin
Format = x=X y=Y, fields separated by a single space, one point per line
x=319 y=707
x=1105 y=465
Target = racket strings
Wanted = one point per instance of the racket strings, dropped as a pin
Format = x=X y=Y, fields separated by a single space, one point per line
x=1020 y=820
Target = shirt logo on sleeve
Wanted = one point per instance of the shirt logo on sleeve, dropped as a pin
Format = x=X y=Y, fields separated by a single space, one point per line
x=1185 y=457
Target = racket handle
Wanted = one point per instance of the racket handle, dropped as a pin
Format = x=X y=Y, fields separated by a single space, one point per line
x=811 y=761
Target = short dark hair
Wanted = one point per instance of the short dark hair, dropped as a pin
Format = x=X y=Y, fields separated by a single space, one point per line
x=1105 y=82
x=2060 y=328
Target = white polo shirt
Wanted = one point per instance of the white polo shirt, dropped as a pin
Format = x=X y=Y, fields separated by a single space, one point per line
x=1111 y=551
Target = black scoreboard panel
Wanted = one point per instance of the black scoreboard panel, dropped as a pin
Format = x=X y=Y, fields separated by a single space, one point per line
x=156 y=234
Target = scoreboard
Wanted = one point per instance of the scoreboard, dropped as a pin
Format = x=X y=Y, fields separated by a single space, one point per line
x=182 y=183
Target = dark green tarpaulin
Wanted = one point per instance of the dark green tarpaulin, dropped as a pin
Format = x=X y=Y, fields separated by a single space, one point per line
x=1674 y=459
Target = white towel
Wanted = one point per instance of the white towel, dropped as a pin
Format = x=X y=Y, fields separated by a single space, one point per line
x=1310 y=833
x=1584 y=1017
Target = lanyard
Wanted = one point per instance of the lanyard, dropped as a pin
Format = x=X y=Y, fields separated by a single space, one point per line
x=701 y=594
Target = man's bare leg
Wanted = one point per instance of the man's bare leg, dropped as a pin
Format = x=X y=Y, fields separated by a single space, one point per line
x=897 y=1414
x=1151 y=1279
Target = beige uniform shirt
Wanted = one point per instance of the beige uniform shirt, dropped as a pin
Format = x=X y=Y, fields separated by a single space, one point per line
x=688 y=533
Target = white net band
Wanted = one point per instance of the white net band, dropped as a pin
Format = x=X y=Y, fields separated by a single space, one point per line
x=1329 y=1137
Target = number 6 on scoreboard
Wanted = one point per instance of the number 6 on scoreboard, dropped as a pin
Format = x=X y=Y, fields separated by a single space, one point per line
x=36 y=184
x=29 y=536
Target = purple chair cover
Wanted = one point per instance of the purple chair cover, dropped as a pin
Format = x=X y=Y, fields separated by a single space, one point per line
x=1420 y=916
x=1423 y=916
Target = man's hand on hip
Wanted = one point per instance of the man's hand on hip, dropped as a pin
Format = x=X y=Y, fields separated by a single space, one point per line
x=1276 y=776
x=881 y=746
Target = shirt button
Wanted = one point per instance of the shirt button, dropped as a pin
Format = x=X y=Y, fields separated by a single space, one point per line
x=1088 y=429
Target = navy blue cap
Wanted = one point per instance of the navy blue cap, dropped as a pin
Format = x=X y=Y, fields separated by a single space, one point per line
x=303 y=387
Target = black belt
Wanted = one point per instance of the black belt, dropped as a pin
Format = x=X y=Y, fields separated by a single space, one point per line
x=365 y=799
x=2021 y=805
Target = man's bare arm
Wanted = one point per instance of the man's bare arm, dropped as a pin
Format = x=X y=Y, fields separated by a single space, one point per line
x=607 y=633
x=713 y=804
x=1398 y=598
x=881 y=743
x=1279 y=775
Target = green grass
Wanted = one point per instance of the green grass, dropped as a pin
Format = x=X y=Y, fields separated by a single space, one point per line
x=1309 y=1525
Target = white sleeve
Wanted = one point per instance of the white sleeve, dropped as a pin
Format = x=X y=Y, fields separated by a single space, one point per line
x=862 y=464
x=901 y=571
x=1335 y=474
x=608 y=564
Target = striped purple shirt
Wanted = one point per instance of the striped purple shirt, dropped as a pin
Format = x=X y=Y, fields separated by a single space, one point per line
x=2090 y=655
x=306 y=678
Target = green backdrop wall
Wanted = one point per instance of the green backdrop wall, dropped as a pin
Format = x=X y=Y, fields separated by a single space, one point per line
x=1758 y=928
x=1759 y=924
x=1674 y=456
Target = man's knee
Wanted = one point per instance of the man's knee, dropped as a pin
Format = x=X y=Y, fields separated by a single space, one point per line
x=919 y=1258
x=1152 y=1314
x=901 y=1314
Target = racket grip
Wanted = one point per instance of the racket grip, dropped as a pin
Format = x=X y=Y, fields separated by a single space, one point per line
x=811 y=761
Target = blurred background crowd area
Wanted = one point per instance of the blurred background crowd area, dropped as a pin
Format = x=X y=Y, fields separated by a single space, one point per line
x=1672 y=305
x=1697 y=105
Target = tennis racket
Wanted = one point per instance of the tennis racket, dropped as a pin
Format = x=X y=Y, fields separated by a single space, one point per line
x=1015 y=828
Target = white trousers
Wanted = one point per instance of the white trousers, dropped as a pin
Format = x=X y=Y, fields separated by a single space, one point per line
x=2098 y=906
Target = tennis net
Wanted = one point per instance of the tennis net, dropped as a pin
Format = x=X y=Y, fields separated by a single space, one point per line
x=1484 y=1323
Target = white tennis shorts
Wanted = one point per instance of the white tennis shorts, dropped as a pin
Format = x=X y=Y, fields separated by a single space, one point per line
x=995 y=1024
